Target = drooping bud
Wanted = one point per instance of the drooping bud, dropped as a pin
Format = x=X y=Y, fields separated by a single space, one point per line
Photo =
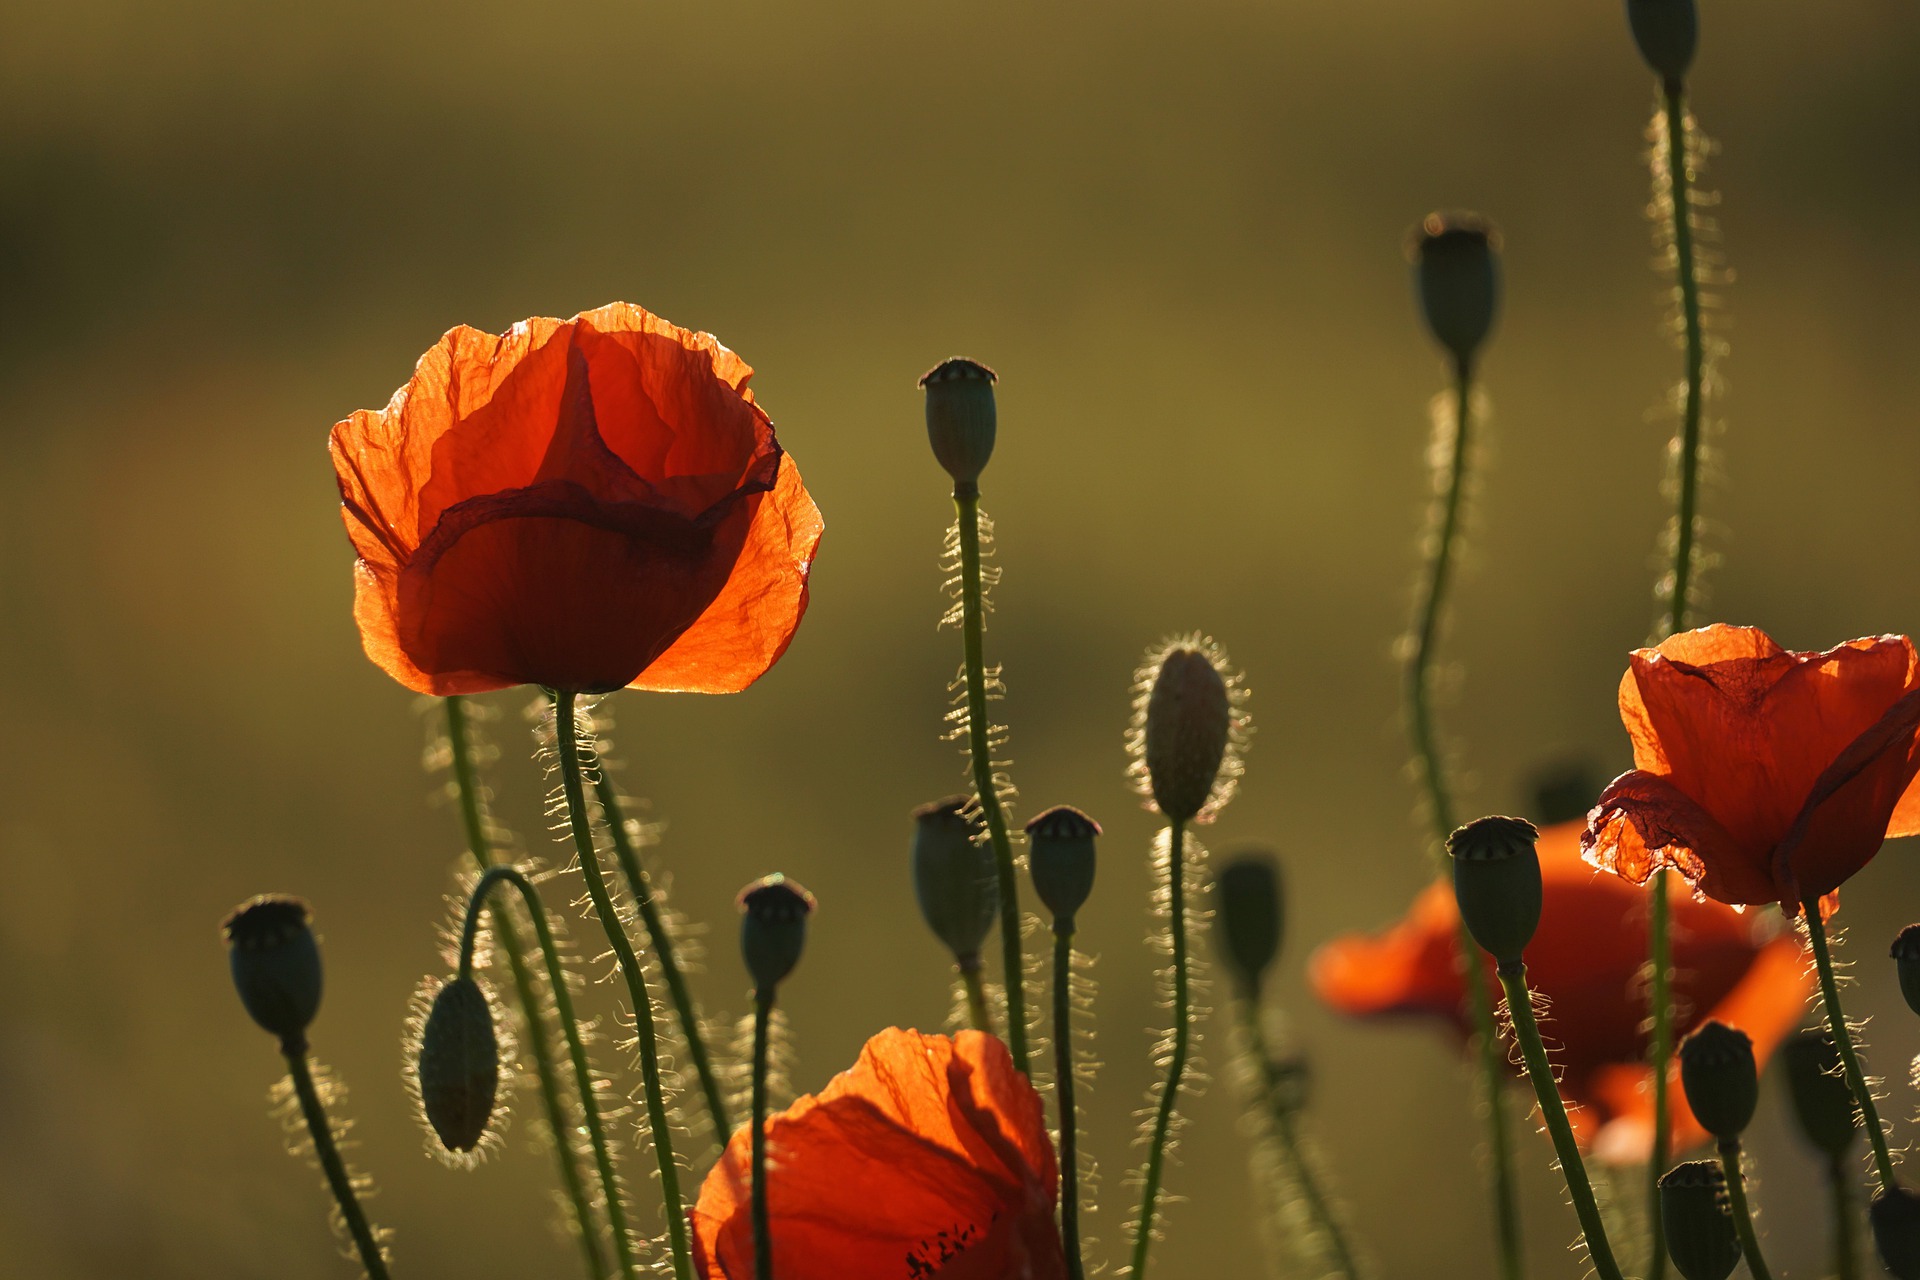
x=954 y=876
x=1457 y=272
x=1694 y=1215
x=459 y=1065
x=1060 y=857
x=773 y=928
x=1721 y=1079
x=1668 y=32
x=1496 y=878
x=1906 y=958
x=1895 y=1215
x=960 y=416
x=276 y=962
x=1250 y=917
x=1822 y=1102
x=1563 y=791
x=1184 y=726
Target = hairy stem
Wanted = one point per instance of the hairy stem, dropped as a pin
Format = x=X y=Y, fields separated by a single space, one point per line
x=1849 y=1057
x=339 y=1181
x=976 y=988
x=1741 y=1213
x=1063 y=1087
x=1177 y=1059
x=762 y=1218
x=1659 y=1056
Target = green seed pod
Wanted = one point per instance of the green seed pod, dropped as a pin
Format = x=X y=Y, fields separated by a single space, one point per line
x=1496 y=878
x=1906 y=958
x=1189 y=721
x=1895 y=1215
x=773 y=928
x=459 y=1066
x=1668 y=32
x=1699 y=1228
x=960 y=416
x=1060 y=857
x=276 y=963
x=1822 y=1102
x=1721 y=1079
x=954 y=876
x=1457 y=273
x=1250 y=916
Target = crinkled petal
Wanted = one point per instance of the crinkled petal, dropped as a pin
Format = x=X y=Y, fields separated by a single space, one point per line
x=1644 y=822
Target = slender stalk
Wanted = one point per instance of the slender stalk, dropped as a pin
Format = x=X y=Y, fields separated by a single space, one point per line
x=966 y=503
x=567 y=743
x=338 y=1179
x=1063 y=1087
x=466 y=784
x=762 y=1219
x=1513 y=977
x=576 y=1047
x=1849 y=1057
x=1844 y=1265
x=1426 y=745
x=1742 y=1214
x=1177 y=1059
x=975 y=985
x=1659 y=1056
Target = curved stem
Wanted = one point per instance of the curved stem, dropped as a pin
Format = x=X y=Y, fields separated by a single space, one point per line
x=1844 y=1265
x=1063 y=1086
x=567 y=743
x=467 y=785
x=1513 y=978
x=338 y=1179
x=1742 y=1215
x=976 y=989
x=966 y=503
x=1177 y=1059
x=762 y=1218
x=1843 y=1040
x=576 y=1048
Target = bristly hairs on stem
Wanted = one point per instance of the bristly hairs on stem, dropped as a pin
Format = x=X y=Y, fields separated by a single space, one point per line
x=1226 y=780
x=782 y=1059
x=419 y=1005
x=331 y=1094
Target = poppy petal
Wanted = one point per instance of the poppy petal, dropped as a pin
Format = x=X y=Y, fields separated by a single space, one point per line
x=1839 y=826
x=1644 y=822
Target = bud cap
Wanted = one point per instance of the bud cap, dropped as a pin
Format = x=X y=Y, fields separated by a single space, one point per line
x=276 y=962
x=1496 y=879
x=1895 y=1215
x=1822 y=1102
x=1667 y=31
x=1720 y=1077
x=1250 y=916
x=773 y=928
x=961 y=418
x=1457 y=273
x=1701 y=1238
x=1060 y=857
x=954 y=876
x=459 y=1065
x=1906 y=959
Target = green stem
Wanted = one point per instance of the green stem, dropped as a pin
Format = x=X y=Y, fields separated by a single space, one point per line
x=762 y=1218
x=576 y=1048
x=1177 y=1059
x=1849 y=1058
x=1844 y=1265
x=966 y=502
x=1063 y=1085
x=1659 y=1055
x=480 y=847
x=338 y=1179
x=1513 y=978
x=567 y=743
x=976 y=989
x=1742 y=1214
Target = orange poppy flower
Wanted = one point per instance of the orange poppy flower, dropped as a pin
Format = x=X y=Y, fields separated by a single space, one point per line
x=1763 y=775
x=583 y=504
x=929 y=1160
x=1586 y=959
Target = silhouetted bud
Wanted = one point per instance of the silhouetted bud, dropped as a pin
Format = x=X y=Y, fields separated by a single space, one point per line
x=1060 y=858
x=1722 y=1082
x=1496 y=878
x=459 y=1067
x=1906 y=958
x=773 y=928
x=1457 y=270
x=276 y=962
x=954 y=876
x=960 y=416
x=1564 y=790
x=1249 y=916
x=1667 y=32
x=1822 y=1102
x=1189 y=720
x=1699 y=1228
x=1895 y=1214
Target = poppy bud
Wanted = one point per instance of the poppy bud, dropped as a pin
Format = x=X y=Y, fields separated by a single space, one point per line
x=773 y=928
x=1564 y=791
x=1822 y=1102
x=1249 y=916
x=1061 y=860
x=276 y=962
x=954 y=876
x=1895 y=1215
x=1667 y=32
x=960 y=416
x=1701 y=1238
x=1906 y=958
x=1722 y=1083
x=1457 y=270
x=1189 y=719
x=1496 y=878
x=459 y=1065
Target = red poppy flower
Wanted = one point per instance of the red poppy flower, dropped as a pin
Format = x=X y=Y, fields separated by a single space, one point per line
x=583 y=504
x=1586 y=959
x=929 y=1160
x=1762 y=775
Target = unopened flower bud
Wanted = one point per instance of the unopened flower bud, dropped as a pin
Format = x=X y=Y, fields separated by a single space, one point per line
x=1895 y=1215
x=1564 y=791
x=1822 y=1102
x=459 y=1065
x=1667 y=32
x=276 y=963
x=1189 y=720
x=1906 y=958
x=954 y=875
x=1060 y=858
x=1722 y=1082
x=1695 y=1218
x=1249 y=916
x=1496 y=878
x=960 y=416
x=1457 y=270
x=773 y=928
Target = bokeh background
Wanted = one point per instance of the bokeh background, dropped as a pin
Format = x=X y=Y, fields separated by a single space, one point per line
x=1176 y=231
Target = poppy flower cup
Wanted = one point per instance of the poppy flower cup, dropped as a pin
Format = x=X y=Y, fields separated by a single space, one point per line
x=586 y=504
x=1762 y=775
x=1586 y=960
x=929 y=1160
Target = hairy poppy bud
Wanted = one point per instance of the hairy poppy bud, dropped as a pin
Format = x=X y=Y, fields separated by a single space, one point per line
x=1496 y=878
x=1061 y=859
x=960 y=416
x=1667 y=32
x=1895 y=1215
x=1700 y=1233
x=1722 y=1083
x=773 y=928
x=1906 y=957
x=276 y=962
x=1457 y=269
x=1822 y=1102
x=1189 y=720
x=954 y=876
x=1249 y=916
x=459 y=1065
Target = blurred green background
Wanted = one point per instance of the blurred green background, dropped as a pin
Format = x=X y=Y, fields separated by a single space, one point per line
x=1174 y=229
